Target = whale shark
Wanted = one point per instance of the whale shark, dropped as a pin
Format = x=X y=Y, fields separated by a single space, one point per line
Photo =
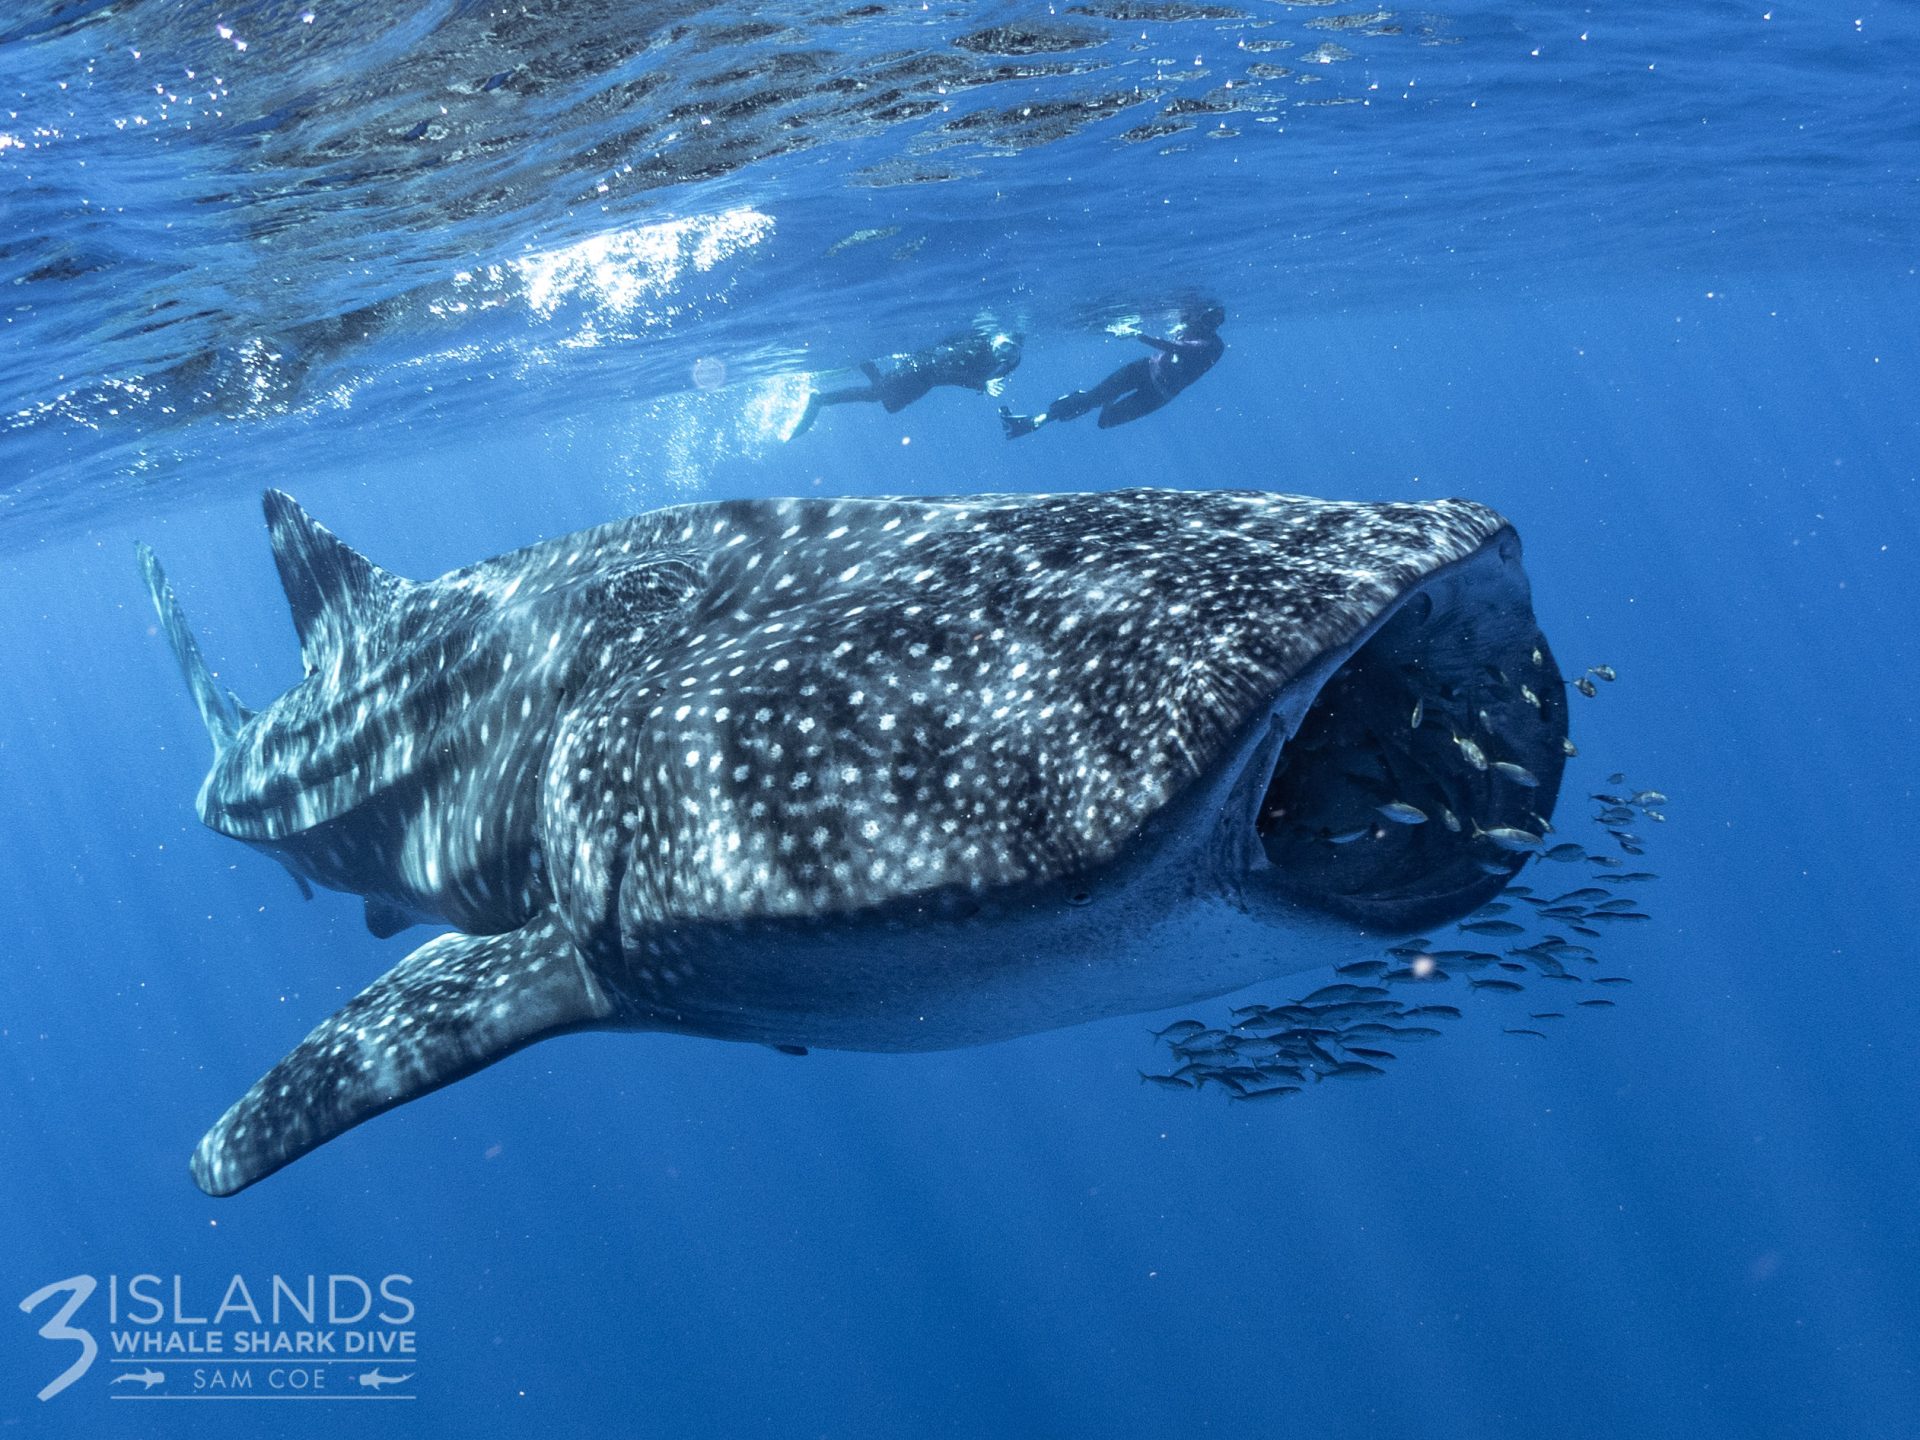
x=882 y=774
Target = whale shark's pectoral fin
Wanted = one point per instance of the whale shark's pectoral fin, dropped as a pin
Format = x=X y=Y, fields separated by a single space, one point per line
x=454 y=1006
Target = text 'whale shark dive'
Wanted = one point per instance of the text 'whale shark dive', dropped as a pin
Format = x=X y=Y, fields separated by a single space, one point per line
x=875 y=774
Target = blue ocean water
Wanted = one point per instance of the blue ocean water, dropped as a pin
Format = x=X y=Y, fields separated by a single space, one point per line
x=1642 y=280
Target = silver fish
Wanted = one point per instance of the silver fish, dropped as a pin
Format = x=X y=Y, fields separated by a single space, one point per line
x=1352 y=1070
x=1336 y=994
x=1362 y=968
x=1509 y=838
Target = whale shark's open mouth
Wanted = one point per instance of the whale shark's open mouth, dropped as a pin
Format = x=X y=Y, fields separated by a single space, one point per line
x=1425 y=768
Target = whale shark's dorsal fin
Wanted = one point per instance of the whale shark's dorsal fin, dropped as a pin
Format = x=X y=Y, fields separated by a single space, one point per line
x=334 y=591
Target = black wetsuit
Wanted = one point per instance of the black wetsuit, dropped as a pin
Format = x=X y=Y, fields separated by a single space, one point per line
x=970 y=362
x=1137 y=388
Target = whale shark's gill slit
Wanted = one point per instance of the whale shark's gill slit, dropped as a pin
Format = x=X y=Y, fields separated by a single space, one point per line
x=1444 y=725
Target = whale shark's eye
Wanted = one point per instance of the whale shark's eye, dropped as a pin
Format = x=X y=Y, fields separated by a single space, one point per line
x=1418 y=777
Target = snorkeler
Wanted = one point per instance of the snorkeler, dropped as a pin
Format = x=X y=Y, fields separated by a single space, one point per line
x=1139 y=387
x=971 y=362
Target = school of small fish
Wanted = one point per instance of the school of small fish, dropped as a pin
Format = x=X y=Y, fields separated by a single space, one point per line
x=1522 y=839
x=1354 y=1028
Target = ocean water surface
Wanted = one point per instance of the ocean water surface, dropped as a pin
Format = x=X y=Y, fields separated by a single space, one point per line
x=462 y=277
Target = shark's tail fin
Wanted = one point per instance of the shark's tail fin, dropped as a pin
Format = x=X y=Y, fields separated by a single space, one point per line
x=220 y=710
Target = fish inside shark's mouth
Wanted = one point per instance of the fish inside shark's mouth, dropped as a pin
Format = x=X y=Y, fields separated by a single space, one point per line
x=1425 y=769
